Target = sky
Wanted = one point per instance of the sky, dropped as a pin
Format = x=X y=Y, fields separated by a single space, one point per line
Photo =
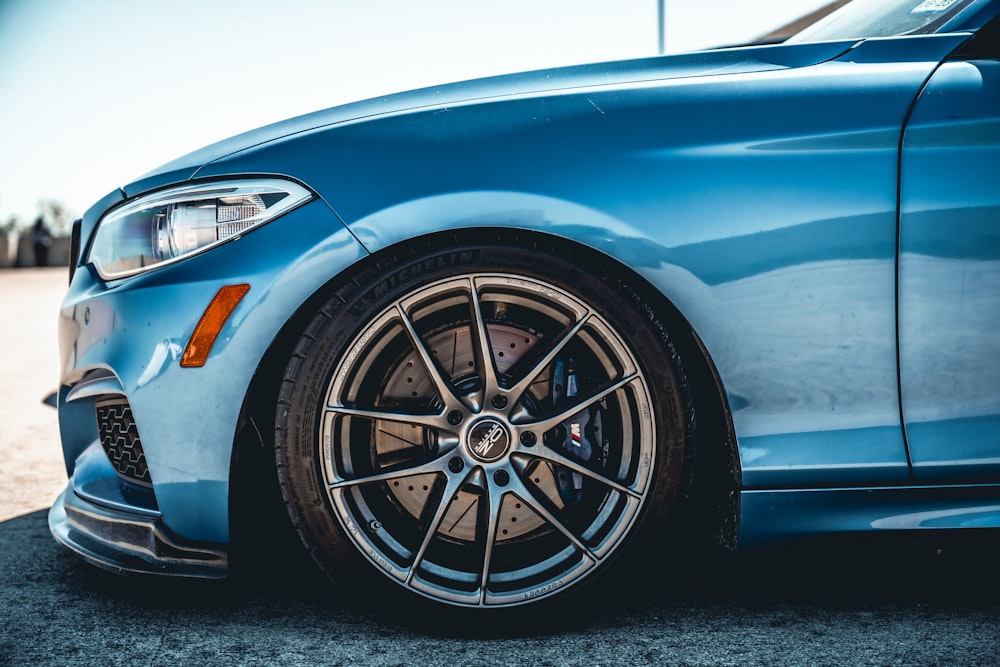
x=94 y=93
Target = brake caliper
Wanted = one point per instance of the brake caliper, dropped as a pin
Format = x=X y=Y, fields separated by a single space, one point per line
x=577 y=434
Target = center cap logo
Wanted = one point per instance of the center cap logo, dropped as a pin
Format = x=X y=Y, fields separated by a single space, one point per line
x=489 y=440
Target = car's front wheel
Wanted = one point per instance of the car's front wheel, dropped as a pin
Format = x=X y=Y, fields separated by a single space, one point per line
x=484 y=425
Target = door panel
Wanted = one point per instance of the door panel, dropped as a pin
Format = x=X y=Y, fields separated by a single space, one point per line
x=949 y=275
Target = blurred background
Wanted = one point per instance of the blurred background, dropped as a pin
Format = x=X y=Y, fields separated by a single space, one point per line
x=96 y=93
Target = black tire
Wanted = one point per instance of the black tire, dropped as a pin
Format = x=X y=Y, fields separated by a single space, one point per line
x=411 y=460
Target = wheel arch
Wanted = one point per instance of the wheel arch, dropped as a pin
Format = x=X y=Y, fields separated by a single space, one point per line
x=708 y=504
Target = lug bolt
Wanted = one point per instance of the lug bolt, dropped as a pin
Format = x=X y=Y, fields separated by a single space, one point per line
x=528 y=439
x=501 y=477
x=499 y=401
x=454 y=417
x=456 y=464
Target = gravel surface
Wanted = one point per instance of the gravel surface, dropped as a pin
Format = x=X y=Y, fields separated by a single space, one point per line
x=31 y=466
x=815 y=609
x=857 y=606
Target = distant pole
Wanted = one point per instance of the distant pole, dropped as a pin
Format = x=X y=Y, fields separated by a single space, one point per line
x=661 y=23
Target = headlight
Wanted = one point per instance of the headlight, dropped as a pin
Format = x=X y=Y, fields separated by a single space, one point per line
x=169 y=225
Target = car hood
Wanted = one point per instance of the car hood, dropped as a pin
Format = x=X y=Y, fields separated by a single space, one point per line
x=703 y=63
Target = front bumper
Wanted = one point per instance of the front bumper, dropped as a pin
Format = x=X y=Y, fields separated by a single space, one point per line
x=123 y=542
x=121 y=343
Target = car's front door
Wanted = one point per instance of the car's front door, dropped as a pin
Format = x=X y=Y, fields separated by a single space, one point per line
x=949 y=270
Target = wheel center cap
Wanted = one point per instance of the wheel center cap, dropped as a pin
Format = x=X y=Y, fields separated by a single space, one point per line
x=489 y=440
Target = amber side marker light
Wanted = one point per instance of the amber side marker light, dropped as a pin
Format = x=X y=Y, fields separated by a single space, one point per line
x=212 y=320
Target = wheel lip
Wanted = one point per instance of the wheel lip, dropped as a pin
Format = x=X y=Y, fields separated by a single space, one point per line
x=533 y=288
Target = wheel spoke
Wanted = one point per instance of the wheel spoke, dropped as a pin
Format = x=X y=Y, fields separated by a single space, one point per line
x=441 y=384
x=552 y=456
x=452 y=484
x=408 y=469
x=483 y=350
x=437 y=421
x=570 y=407
x=557 y=346
x=522 y=491
x=492 y=518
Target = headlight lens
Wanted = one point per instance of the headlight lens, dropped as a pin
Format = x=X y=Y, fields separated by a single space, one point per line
x=172 y=224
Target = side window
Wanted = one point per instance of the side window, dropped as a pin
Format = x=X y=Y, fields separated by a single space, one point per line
x=986 y=43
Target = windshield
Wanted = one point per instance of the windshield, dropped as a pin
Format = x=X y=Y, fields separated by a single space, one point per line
x=882 y=18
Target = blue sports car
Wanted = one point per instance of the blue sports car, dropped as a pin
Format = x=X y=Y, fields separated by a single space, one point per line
x=477 y=341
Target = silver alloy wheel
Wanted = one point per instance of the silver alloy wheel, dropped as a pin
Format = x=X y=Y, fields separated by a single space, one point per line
x=487 y=440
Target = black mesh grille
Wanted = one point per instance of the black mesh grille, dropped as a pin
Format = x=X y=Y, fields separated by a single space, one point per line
x=120 y=440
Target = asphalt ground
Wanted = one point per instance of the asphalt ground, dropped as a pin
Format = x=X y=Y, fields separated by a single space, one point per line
x=896 y=604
